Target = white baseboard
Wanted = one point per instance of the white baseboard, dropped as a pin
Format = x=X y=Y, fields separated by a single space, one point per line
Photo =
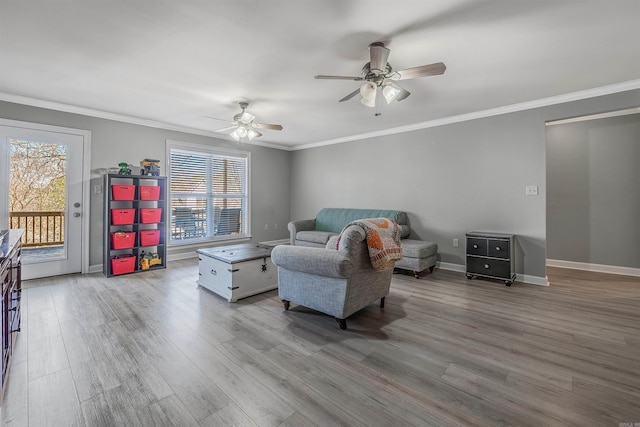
x=532 y=280
x=522 y=278
x=182 y=255
x=451 y=267
x=95 y=268
x=599 y=268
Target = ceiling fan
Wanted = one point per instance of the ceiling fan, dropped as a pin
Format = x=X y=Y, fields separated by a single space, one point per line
x=380 y=77
x=244 y=128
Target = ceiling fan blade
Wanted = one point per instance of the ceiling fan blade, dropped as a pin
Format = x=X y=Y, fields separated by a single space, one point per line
x=225 y=129
x=379 y=55
x=337 y=77
x=351 y=95
x=421 y=71
x=215 y=118
x=268 y=126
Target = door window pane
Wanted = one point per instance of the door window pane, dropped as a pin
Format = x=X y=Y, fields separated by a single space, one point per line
x=37 y=197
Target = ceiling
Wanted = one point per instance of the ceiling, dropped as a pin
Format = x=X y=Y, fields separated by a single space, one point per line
x=170 y=63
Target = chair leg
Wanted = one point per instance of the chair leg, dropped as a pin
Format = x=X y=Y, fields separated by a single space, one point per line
x=416 y=274
x=431 y=268
x=382 y=302
x=342 y=323
x=286 y=304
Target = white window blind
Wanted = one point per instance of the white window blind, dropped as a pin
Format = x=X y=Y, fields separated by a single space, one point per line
x=208 y=194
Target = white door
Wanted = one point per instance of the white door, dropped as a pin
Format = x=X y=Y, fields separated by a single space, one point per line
x=41 y=191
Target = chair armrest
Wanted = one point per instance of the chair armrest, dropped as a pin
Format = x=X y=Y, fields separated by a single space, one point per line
x=300 y=225
x=319 y=261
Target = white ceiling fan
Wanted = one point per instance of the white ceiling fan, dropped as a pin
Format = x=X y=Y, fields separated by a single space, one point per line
x=380 y=77
x=244 y=127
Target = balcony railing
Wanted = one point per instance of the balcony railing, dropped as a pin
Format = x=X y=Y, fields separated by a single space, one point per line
x=41 y=228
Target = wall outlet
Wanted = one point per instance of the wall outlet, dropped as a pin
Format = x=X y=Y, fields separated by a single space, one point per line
x=266 y=226
x=455 y=243
x=97 y=189
x=531 y=190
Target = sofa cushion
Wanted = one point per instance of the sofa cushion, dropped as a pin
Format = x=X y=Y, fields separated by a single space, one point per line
x=321 y=237
x=335 y=219
x=405 y=231
x=418 y=248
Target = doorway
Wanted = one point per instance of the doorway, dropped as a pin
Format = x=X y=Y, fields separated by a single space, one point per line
x=42 y=190
x=593 y=202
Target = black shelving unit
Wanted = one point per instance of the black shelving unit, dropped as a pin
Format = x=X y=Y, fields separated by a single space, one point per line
x=122 y=257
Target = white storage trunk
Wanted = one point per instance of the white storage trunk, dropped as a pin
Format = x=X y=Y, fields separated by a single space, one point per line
x=237 y=271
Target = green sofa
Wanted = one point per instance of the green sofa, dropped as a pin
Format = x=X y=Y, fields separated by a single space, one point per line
x=329 y=222
x=418 y=255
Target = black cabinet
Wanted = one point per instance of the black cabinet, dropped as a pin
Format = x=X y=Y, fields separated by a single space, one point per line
x=134 y=224
x=10 y=277
x=491 y=255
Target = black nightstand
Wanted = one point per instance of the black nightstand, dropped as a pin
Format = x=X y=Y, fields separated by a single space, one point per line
x=491 y=255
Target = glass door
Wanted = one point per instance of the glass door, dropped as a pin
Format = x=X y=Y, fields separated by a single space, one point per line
x=43 y=177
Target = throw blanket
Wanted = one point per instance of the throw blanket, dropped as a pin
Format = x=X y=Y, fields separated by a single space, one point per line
x=383 y=241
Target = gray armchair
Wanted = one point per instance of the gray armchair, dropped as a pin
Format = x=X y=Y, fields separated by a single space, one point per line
x=335 y=282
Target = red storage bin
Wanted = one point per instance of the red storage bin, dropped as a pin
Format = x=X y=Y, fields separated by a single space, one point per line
x=123 y=192
x=150 y=215
x=149 y=192
x=122 y=216
x=123 y=264
x=123 y=239
x=149 y=237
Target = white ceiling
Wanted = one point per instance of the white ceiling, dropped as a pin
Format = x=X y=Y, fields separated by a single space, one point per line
x=173 y=62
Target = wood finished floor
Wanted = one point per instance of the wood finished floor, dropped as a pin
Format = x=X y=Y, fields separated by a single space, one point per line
x=155 y=350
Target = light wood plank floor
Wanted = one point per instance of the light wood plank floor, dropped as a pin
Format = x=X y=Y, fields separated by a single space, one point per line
x=153 y=349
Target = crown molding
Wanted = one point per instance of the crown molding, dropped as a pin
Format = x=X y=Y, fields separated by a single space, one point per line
x=57 y=106
x=544 y=102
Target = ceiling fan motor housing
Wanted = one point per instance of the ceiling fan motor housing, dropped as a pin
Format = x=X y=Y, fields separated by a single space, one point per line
x=376 y=76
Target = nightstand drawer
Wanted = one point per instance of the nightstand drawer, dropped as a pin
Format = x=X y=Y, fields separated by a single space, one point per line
x=488 y=267
x=476 y=246
x=498 y=248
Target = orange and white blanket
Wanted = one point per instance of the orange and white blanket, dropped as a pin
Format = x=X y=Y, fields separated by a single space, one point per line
x=383 y=241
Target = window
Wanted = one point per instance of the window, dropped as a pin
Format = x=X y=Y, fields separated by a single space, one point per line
x=208 y=193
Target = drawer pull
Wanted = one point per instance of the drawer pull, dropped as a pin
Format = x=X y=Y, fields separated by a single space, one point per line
x=486 y=266
x=475 y=246
x=215 y=273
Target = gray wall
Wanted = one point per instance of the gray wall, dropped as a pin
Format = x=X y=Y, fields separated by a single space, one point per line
x=468 y=176
x=450 y=179
x=593 y=197
x=113 y=142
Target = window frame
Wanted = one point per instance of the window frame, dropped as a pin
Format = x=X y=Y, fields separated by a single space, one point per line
x=208 y=150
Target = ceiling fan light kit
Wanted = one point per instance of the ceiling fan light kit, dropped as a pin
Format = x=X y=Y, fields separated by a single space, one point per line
x=368 y=91
x=244 y=128
x=390 y=92
x=379 y=74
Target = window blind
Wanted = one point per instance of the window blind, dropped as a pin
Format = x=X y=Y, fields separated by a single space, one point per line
x=208 y=195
